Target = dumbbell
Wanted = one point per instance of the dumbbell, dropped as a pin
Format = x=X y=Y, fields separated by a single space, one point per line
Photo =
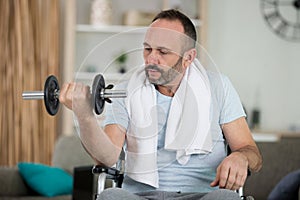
x=100 y=94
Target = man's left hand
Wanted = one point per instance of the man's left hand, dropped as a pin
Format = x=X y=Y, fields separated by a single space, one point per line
x=232 y=172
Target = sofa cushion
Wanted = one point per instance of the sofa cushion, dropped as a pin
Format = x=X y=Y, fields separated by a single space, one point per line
x=11 y=183
x=62 y=197
x=46 y=180
x=70 y=147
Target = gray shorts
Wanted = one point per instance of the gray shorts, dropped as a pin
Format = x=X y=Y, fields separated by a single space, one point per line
x=120 y=194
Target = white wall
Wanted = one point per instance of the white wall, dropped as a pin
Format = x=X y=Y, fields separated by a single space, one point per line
x=256 y=60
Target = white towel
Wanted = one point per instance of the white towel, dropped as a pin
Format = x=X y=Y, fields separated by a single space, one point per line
x=187 y=125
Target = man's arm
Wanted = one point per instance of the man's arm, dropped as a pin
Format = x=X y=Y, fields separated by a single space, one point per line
x=104 y=146
x=239 y=138
x=232 y=172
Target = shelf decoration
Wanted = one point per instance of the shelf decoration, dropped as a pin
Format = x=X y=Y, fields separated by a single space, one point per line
x=101 y=12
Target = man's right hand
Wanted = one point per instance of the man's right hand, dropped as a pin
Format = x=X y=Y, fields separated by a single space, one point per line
x=77 y=97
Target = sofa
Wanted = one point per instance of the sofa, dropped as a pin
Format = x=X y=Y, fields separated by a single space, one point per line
x=279 y=159
x=69 y=155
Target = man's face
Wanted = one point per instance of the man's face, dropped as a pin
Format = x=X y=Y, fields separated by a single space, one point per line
x=163 y=52
x=160 y=76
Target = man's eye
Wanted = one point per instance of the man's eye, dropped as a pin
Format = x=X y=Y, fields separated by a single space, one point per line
x=147 y=49
x=163 y=52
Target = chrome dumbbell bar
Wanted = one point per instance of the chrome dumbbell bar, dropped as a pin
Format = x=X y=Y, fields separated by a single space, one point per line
x=50 y=95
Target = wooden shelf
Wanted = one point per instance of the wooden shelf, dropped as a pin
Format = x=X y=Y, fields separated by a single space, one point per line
x=118 y=28
x=109 y=29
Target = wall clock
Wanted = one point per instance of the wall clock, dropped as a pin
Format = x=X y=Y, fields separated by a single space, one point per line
x=283 y=17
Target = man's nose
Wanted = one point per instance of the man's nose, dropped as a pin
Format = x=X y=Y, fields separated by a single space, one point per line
x=153 y=57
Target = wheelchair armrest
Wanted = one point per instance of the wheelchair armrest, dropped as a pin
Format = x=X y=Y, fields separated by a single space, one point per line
x=111 y=173
x=107 y=173
x=97 y=169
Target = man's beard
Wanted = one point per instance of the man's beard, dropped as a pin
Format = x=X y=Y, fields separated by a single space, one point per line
x=165 y=76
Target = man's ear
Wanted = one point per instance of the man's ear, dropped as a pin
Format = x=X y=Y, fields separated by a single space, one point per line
x=188 y=57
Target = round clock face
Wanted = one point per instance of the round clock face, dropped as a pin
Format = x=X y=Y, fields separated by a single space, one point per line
x=283 y=17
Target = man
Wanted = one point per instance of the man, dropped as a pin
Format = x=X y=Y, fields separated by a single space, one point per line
x=172 y=123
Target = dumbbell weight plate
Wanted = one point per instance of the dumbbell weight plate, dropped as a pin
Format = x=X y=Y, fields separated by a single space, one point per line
x=97 y=101
x=50 y=99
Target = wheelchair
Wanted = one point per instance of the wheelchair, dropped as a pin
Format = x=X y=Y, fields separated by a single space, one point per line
x=116 y=175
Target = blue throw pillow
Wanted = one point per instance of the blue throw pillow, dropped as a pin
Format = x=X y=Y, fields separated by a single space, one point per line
x=47 y=181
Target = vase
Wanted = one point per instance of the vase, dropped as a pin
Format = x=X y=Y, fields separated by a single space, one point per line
x=101 y=12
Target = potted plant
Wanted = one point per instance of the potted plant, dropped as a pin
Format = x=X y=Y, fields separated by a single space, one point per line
x=121 y=60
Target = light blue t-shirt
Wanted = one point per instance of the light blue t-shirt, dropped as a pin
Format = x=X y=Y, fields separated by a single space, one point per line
x=200 y=171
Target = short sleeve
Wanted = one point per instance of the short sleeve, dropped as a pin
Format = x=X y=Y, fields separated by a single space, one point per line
x=232 y=107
